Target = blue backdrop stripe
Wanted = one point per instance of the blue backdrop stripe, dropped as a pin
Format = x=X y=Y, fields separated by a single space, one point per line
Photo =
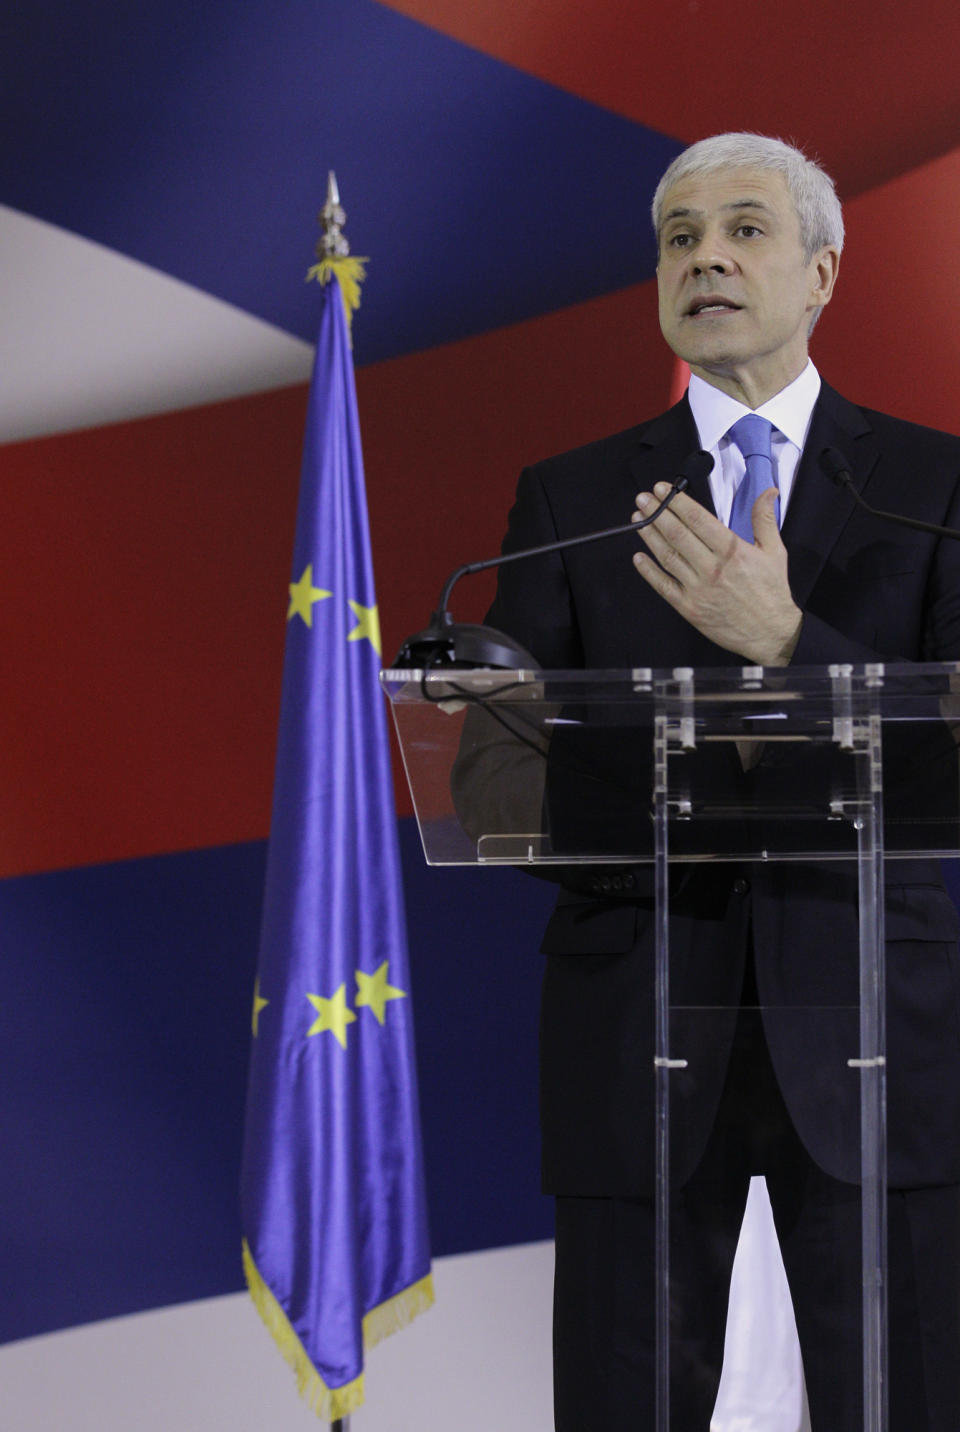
x=488 y=195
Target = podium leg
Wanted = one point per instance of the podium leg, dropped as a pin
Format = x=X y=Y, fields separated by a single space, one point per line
x=662 y=1067
x=872 y=1067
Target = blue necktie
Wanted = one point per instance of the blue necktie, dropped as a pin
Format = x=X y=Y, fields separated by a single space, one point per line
x=752 y=436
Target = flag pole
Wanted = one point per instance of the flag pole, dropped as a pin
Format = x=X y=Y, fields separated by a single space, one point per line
x=333 y=245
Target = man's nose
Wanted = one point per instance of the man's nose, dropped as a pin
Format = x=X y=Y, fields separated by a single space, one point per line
x=710 y=259
x=711 y=253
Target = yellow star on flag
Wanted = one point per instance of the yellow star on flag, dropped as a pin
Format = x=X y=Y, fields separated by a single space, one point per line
x=373 y=992
x=332 y=1015
x=303 y=594
x=368 y=625
x=259 y=1003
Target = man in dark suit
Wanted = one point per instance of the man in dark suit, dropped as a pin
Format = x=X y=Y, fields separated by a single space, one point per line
x=764 y=563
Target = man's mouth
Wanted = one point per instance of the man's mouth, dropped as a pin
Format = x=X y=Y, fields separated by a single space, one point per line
x=711 y=305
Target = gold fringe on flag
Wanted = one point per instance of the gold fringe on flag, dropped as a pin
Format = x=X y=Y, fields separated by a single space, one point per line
x=349 y=272
x=332 y=1403
x=397 y=1312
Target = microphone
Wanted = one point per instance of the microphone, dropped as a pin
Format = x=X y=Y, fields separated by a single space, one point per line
x=834 y=465
x=447 y=644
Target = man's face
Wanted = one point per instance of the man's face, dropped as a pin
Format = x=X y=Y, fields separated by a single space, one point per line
x=737 y=293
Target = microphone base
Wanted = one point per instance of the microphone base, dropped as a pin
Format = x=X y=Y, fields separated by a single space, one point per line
x=462 y=646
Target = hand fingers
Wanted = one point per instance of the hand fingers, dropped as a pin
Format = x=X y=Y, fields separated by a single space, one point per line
x=667 y=538
x=661 y=581
x=685 y=524
x=766 y=529
x=683 y=509
x=670 y=558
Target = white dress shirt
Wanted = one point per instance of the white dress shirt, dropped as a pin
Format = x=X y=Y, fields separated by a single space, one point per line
x=762 y=1368
x=790 y=412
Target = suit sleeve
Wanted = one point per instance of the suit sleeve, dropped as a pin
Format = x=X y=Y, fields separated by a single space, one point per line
x=499 y=775
x=533 y=601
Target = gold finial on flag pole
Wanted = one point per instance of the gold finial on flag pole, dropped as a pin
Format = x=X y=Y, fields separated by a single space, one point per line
x=332 y=243
x=333 y=252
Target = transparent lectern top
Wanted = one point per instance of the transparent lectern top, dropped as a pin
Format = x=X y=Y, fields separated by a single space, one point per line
x=564 y=767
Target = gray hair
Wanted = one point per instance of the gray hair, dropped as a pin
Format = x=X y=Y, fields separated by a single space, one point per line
x=811 y=188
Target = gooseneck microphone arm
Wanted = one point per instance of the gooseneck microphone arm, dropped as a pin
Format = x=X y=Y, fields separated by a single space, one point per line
x=446 y=643
x=679 y=484
x=834 y=465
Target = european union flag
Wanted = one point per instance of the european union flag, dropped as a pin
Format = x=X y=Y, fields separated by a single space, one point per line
x=335 y=1233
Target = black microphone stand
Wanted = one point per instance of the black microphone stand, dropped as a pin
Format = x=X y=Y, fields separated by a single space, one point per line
x=834 y=465
x=447 y=644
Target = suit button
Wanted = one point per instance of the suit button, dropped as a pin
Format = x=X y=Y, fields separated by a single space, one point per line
x=617 y=882
x=605 y=883
x=740 y=887
x=629 y=882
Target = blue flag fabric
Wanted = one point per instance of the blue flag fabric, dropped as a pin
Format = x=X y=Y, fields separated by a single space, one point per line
x=335 y=1232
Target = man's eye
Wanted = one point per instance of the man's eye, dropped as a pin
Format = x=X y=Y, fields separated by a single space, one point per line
x=679 y=241
x=747 y=231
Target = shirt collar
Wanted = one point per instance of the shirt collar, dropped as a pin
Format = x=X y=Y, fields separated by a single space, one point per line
x=790 y=410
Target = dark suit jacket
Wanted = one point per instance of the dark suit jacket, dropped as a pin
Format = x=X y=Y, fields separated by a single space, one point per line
x=869 y=591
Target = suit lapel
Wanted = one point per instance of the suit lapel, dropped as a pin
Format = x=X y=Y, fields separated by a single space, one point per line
x=818 y=511
x=665 y=445
x=656 y=629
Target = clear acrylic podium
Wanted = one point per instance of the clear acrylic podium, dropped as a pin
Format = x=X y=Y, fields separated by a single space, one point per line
x=622 y=778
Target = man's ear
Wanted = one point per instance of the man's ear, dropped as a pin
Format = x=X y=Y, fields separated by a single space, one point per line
x=826 y=266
